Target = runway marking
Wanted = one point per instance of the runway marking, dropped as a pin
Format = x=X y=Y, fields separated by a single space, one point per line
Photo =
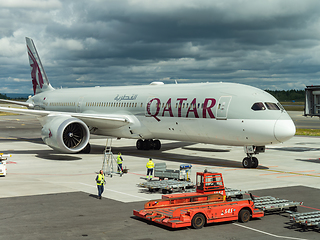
x=11 y=162
x=266 y=174
x=310 y=208
x=107 y=189
x=139 y=174
x=266 y=233
x=235 y=169
x=9 y=138
x=51 y=174
x=292 y=173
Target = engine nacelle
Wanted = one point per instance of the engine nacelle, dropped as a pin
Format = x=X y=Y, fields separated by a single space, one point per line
x=65 y=134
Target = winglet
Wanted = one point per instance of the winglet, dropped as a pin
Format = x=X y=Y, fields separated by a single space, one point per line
x=39 y=77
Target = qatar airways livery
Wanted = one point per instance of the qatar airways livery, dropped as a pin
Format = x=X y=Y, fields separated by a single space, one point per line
x=214 y=113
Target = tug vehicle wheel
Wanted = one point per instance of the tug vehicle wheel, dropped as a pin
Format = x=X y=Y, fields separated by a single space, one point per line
x=244 y=215
x=198 y=221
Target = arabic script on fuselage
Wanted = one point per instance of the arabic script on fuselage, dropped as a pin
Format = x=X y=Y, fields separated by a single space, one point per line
x=126 y=97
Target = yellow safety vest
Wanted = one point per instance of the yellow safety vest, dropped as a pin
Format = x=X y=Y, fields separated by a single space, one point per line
x=150 y=164
x=119 y=161
x=100 y=179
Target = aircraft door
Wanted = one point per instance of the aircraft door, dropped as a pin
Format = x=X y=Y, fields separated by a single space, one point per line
x=79 y=103
x=222 y=107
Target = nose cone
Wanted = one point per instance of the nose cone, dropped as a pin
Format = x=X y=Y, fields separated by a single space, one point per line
x=284 y=128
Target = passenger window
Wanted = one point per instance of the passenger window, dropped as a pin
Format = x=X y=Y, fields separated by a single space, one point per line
x=272 y=106
x=258 y=106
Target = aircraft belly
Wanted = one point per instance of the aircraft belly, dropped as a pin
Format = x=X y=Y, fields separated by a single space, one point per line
x=241 y=132
x=167 y=128
x=235 y=132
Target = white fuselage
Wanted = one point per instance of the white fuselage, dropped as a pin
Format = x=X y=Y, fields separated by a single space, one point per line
x=216 y=113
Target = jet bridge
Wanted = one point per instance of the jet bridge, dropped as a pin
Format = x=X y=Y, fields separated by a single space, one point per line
x=312 y=105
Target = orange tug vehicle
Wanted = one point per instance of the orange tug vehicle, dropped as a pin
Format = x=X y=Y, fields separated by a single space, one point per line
x=207 y=205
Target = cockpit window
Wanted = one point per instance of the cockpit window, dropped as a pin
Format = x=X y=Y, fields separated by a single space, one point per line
x=258 y=106
x=272 y=106
x=280 y=106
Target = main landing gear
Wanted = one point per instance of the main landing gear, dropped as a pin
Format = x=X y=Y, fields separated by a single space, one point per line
x=250 y=161
x=148 y=144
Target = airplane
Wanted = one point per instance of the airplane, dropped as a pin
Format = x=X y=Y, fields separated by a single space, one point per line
x=213 y=113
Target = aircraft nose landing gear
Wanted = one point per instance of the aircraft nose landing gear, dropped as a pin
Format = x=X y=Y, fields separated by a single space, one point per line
x=250 y=161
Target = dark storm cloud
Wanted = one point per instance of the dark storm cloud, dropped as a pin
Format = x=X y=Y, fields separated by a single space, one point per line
x=267 y=44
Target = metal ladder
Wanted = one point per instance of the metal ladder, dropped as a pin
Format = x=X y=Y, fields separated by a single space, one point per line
x=109 y=160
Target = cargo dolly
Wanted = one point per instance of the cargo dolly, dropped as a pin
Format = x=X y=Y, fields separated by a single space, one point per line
x=170 y=186
x=305 y=220
x=183 y=173
x=268 y=204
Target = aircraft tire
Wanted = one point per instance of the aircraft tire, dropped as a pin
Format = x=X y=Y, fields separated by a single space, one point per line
x=139 y=144
x=147 y=144
x=156 y=145
x=255 y=162
x=87 y=149
x=246 y=162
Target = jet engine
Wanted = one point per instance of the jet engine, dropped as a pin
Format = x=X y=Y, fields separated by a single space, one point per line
x=65 y=134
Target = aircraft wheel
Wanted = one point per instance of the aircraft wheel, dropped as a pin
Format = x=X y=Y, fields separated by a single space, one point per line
x=246 y=162
x=87 y=149
x=156 y=145
x=139 y=144
x=255 y=162
x=147 y=144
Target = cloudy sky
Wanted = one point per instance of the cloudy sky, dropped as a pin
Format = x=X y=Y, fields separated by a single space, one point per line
x=269 y=44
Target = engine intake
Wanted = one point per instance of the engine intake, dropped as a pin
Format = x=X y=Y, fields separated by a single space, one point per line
x=66 y=134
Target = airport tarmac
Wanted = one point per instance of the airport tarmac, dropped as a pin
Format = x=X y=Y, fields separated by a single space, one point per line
x=50 y=195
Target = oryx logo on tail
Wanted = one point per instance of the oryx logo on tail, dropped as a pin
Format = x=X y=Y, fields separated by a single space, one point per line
x=36 y=75
x=39 y=78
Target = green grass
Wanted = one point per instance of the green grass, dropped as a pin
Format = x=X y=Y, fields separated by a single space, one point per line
x=294 y=106
x=308 y=132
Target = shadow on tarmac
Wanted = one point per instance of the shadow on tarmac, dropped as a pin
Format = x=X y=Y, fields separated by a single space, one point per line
x=182 y=158
x=315 y=160
x=132 y=151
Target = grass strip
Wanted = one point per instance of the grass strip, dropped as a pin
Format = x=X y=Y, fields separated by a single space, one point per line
x=308 y=132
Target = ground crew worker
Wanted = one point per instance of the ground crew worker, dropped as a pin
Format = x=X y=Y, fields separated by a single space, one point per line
x=119 y=162
x=150 y=166
x=100 y=183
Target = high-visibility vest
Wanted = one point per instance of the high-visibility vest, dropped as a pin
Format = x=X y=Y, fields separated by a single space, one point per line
x=150 y=164
x=119 y=159
x=100 y=179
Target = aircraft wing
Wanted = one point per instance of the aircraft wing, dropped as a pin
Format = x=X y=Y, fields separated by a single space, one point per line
x=91 y=119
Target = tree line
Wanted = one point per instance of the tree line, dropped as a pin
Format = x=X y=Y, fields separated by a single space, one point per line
x=288 y=95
